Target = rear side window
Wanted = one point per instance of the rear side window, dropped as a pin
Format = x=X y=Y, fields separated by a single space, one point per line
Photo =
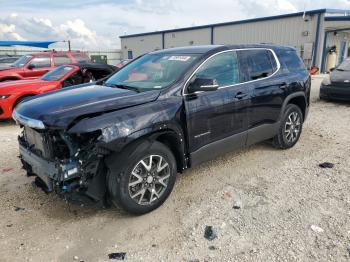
x=260 y=63
x=290 y=61
x=61 y=60
x=40 y=62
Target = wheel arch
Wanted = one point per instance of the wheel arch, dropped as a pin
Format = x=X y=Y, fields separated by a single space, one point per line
x=20 y=98
x=10 y=78
x=174 y=140
x=298 y=99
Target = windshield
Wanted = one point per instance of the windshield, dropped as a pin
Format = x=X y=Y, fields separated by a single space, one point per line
x=22 y=61
x=345 y=66
x=152 y=71
x=57 y=73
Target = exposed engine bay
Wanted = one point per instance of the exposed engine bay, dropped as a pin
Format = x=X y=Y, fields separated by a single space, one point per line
x=70 y=165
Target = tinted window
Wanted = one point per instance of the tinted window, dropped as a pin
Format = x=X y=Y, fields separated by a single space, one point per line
x=290 y=61
x=57 y=73
x=260 y=63
x=222 y=67
x=61 y=60
x=22 y=61
x=345 y=66
x=153 y=71
x=40 y=62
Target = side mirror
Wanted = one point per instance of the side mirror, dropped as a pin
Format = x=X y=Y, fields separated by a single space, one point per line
x=31 y=66
x=202 y=84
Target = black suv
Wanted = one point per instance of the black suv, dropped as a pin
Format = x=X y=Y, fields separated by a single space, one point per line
x=125 y=139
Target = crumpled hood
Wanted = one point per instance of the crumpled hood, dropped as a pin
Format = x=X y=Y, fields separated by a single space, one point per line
x=58 y=109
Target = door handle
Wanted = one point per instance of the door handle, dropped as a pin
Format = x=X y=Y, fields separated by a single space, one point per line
x=283 y=86
x=240 y=95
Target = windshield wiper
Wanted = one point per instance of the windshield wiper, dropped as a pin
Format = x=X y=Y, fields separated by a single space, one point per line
x=339 y=69
x=122 y=86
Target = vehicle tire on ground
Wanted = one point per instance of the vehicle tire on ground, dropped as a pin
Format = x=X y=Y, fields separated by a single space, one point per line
x=290 y=128
x=141 y=178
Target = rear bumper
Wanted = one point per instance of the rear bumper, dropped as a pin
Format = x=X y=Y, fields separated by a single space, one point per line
x=335 y=92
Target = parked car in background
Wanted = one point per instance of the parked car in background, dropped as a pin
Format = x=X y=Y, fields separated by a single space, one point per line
x=123 y=63
x=36 y=65
x=336 y=85
x=7 y=61
x=126 y=138
x=13 y=92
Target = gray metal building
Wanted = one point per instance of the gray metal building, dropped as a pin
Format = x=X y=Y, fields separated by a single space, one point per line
x=312 y=33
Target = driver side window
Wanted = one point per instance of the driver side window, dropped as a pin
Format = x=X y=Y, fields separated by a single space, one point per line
x=222 y=67
x=40 y=62
x=74 y=79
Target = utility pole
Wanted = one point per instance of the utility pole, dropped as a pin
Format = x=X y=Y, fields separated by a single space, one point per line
x=67 y=41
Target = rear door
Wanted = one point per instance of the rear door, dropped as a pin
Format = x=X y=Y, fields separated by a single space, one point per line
x=217 y=120
x=267 y=92
x=38 y=66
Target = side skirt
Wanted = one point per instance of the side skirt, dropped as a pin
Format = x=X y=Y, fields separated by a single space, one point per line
x=262 y=133
x=234 y=142
x=214 y=149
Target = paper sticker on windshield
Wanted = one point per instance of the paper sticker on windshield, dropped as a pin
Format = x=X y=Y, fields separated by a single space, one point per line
x=179 y=58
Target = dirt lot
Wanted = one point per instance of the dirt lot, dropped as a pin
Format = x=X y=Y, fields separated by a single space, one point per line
x=291 y=209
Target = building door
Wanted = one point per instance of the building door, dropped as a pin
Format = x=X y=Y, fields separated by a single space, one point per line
x=130 y=54
x=342 y=47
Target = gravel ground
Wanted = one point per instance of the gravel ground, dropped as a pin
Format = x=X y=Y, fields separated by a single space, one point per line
x=290 y=208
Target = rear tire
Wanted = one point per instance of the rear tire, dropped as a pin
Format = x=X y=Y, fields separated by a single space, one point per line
x=142 y=177
x=290 y=128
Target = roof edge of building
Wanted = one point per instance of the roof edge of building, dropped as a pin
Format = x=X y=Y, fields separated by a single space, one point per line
x=251 y=20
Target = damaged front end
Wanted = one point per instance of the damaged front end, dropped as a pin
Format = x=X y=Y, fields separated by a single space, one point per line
x=70 y=164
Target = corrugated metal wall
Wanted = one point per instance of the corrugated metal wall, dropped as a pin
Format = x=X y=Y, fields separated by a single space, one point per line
x=141 y=44
x=292 y=31
x=187 y=38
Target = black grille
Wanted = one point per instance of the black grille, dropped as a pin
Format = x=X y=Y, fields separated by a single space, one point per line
x=45 y=144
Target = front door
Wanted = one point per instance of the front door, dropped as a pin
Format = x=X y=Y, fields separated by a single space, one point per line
x=217 y=120
x=37 y=67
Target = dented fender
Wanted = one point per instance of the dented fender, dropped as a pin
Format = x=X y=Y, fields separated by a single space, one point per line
x=119 y=128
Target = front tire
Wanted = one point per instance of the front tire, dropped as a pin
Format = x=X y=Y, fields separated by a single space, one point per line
x=144 y=178
x=290 y=128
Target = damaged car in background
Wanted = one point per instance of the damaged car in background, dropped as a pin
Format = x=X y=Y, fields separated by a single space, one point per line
x=123 y=140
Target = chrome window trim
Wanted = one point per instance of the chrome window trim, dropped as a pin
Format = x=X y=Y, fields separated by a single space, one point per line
x=233 y=50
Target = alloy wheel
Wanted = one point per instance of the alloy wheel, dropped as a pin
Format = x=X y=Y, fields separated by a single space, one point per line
x=149 y=179
x=292 y=127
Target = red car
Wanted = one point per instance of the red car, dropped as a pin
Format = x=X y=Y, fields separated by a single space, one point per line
x=13 y=92
x=36 y=65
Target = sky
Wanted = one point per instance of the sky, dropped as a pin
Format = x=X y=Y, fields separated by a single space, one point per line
x=97 y=24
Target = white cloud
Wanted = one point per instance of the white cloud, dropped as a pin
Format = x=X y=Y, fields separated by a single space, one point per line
x=93 y=24
x=16 y=27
